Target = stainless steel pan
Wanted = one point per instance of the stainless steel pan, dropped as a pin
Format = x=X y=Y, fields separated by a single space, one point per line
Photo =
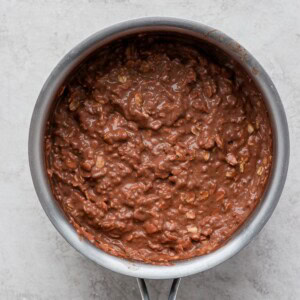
x=250 y=228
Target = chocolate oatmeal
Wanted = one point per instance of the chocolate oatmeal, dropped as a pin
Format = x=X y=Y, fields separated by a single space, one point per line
x=156 y=152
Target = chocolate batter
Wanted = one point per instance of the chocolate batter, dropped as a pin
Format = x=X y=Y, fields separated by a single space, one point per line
x=156 y=152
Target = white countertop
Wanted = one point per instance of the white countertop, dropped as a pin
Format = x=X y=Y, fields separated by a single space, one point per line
x=35 y=262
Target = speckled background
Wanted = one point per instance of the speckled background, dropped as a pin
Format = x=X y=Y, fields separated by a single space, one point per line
x=35 y=262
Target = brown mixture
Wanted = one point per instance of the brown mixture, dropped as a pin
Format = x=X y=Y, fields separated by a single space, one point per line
x=156 y=152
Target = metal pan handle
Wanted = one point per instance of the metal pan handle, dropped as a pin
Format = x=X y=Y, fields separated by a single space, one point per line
x=144 y=291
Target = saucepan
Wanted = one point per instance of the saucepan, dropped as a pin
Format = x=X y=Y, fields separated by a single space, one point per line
x=210 y=38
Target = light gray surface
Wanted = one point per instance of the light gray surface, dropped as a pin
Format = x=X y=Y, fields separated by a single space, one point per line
x=35 y=262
